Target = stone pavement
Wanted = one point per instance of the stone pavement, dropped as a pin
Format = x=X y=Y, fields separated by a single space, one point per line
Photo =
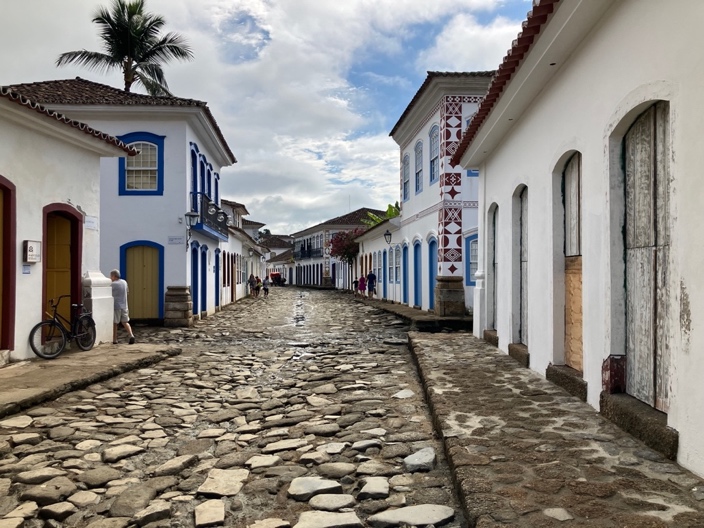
x=524 y=453
x=301 y=410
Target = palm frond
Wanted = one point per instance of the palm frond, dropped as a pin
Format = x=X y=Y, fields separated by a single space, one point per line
x=169 y=47
x=155 y=73
x=93 y=60
x=151 y=85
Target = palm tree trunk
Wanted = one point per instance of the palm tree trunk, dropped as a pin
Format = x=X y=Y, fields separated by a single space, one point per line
x=128 y=73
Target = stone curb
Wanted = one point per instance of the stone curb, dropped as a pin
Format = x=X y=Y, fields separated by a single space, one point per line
x=420 y=321
x=85 y=381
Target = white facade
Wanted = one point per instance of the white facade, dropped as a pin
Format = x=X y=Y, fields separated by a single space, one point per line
x=49 y=193
x=145 y=231
x=407 y=268
x=594 y=71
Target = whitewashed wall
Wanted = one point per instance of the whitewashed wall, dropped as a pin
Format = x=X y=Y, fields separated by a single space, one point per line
x=640 y=52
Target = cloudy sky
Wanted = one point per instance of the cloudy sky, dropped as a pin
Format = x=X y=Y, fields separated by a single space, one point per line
x=306 y=91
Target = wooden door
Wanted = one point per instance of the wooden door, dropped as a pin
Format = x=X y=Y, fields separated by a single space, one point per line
x=493 y=283
x=647 y=257
x=432 y=272
x=58 y=261
x=523 y=325
x=142 y=275
x=3 y=251
x=572 y=199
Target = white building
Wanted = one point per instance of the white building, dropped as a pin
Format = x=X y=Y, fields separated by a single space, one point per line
x=237 y=262
x=436 y=233
x=314 y=264
x=49 y=229
x=145 y=202
x=588 y=150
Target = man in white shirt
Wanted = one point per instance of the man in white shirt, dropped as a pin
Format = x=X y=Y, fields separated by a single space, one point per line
x=119 y=294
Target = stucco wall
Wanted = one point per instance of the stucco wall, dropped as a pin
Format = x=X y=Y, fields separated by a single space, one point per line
x=640 y=52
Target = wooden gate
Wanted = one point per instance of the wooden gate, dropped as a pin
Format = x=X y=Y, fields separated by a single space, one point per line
x=523 y=327
x=142 y=274
x=647 y=257
x=59 y=261
x=572 y=198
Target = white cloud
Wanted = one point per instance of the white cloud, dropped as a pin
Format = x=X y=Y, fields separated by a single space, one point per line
x=275 y=74
x=466 y=45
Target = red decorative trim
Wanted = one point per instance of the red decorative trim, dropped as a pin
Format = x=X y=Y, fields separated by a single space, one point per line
x=9 y=264
x=530 y=30
x=76 y=218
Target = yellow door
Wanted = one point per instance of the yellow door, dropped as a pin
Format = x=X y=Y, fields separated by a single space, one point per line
x=3 y=249
x=58 y=262
x=143 y=281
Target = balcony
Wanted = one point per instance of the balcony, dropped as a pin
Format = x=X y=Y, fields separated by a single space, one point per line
x=303 y=254
x=213 y=220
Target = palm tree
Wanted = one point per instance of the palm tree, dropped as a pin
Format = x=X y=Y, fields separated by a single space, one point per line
x=132 y=42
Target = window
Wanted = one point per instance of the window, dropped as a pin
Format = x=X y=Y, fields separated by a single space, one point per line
x=142 y=174
x=419 y=167
x=406 y=177
x=472 y=262
x=374 y=261
x=398 y=264
x=391 y=265
x=434 y=154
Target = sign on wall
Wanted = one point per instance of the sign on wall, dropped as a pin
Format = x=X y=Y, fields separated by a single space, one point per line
x=32 y=251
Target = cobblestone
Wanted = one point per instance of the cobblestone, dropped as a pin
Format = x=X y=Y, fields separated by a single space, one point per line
x=266 y=395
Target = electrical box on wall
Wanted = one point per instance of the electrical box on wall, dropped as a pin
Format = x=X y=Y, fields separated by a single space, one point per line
x=31 y=251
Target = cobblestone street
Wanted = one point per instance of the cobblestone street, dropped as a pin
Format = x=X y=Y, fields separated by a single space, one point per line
x=302 y=409
x=305 y=410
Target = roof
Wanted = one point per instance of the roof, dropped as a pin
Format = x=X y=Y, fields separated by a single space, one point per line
x=282 y=257
x=351 y=219
x=83 y=92
x=531 y=28
x=432 y=75
x=246 y=222
x=235 y=205
x=21 y=100
x=275 y=241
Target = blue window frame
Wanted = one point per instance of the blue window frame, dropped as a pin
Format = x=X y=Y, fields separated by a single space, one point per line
x=194 y=178
x=397 y=262
x=143 y=174
x=216 y=197
x=419 y=167
x=434 y=154
x=391 y=265
x=209 y=183
x=406 y=177
x=471 y=261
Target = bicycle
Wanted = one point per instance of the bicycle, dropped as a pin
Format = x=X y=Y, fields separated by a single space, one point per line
x=48 y=338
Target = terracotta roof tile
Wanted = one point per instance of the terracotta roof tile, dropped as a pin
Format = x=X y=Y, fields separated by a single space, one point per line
x=252 y=222
x=531 y=28
x=20 y=99
x=355 y=217
x=429 y=79
x=83 y=92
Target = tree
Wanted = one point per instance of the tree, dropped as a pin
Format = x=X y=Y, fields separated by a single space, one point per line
x=343 y=246
x=392 y=211
x=132 y=42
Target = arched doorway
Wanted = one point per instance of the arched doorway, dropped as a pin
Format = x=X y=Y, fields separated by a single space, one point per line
x=384 y=270
x=417 y=275
x=404 y=271
x=195 y=278
x=8 y=255
x=217 y=278
x=142 y=266
x=493 y=267
x=204 y=281
x=432 y=271
x=63 y=242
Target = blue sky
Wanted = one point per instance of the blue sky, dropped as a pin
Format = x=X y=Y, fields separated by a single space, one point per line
x=306 y=91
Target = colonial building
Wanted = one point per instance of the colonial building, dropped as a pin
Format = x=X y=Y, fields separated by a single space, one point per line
x=314 y=264
x=49 y=220
x=588 y=153
x=435 y=236
x=160 y=211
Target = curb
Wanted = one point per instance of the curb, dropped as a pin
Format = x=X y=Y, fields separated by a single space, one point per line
x=82 y=383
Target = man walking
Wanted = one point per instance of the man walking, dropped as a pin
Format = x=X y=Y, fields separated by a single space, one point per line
x=119 y=295
x=371 y=284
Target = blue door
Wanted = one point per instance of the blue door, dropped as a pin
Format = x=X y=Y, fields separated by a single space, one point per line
x=383 y=274
x=204 y=279
x=417 y=276
x=404 y=271
x=194 y=278
x=433 y=272
x=217 y=277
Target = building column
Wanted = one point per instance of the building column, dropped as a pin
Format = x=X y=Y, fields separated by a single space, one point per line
x=449 y=288
x=327 y=280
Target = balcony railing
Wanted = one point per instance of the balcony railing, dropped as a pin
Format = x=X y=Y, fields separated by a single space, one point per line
x=212 y=217
x=302 y=254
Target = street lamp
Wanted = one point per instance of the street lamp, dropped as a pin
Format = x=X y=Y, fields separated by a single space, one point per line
x=251 y=252
x=192 y=218
x=387 y=237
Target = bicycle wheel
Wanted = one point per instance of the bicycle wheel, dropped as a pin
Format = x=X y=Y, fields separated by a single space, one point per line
x=84 y=332
x=47 y=339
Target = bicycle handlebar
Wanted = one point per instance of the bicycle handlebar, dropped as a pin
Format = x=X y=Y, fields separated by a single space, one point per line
x=58 y=300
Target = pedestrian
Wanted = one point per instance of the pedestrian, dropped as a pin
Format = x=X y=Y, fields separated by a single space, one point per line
x=120 y=289
x=258 y=286
x=371 y=284
x=252 y=284
x=355 y=286
x=265 y=286
x=362 y=286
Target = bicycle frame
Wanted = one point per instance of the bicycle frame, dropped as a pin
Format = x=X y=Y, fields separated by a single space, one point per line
x=66 y=324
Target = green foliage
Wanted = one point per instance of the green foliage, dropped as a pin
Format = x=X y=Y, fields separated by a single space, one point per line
x=343 y=247
x=132 y=42
x=392 y=211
